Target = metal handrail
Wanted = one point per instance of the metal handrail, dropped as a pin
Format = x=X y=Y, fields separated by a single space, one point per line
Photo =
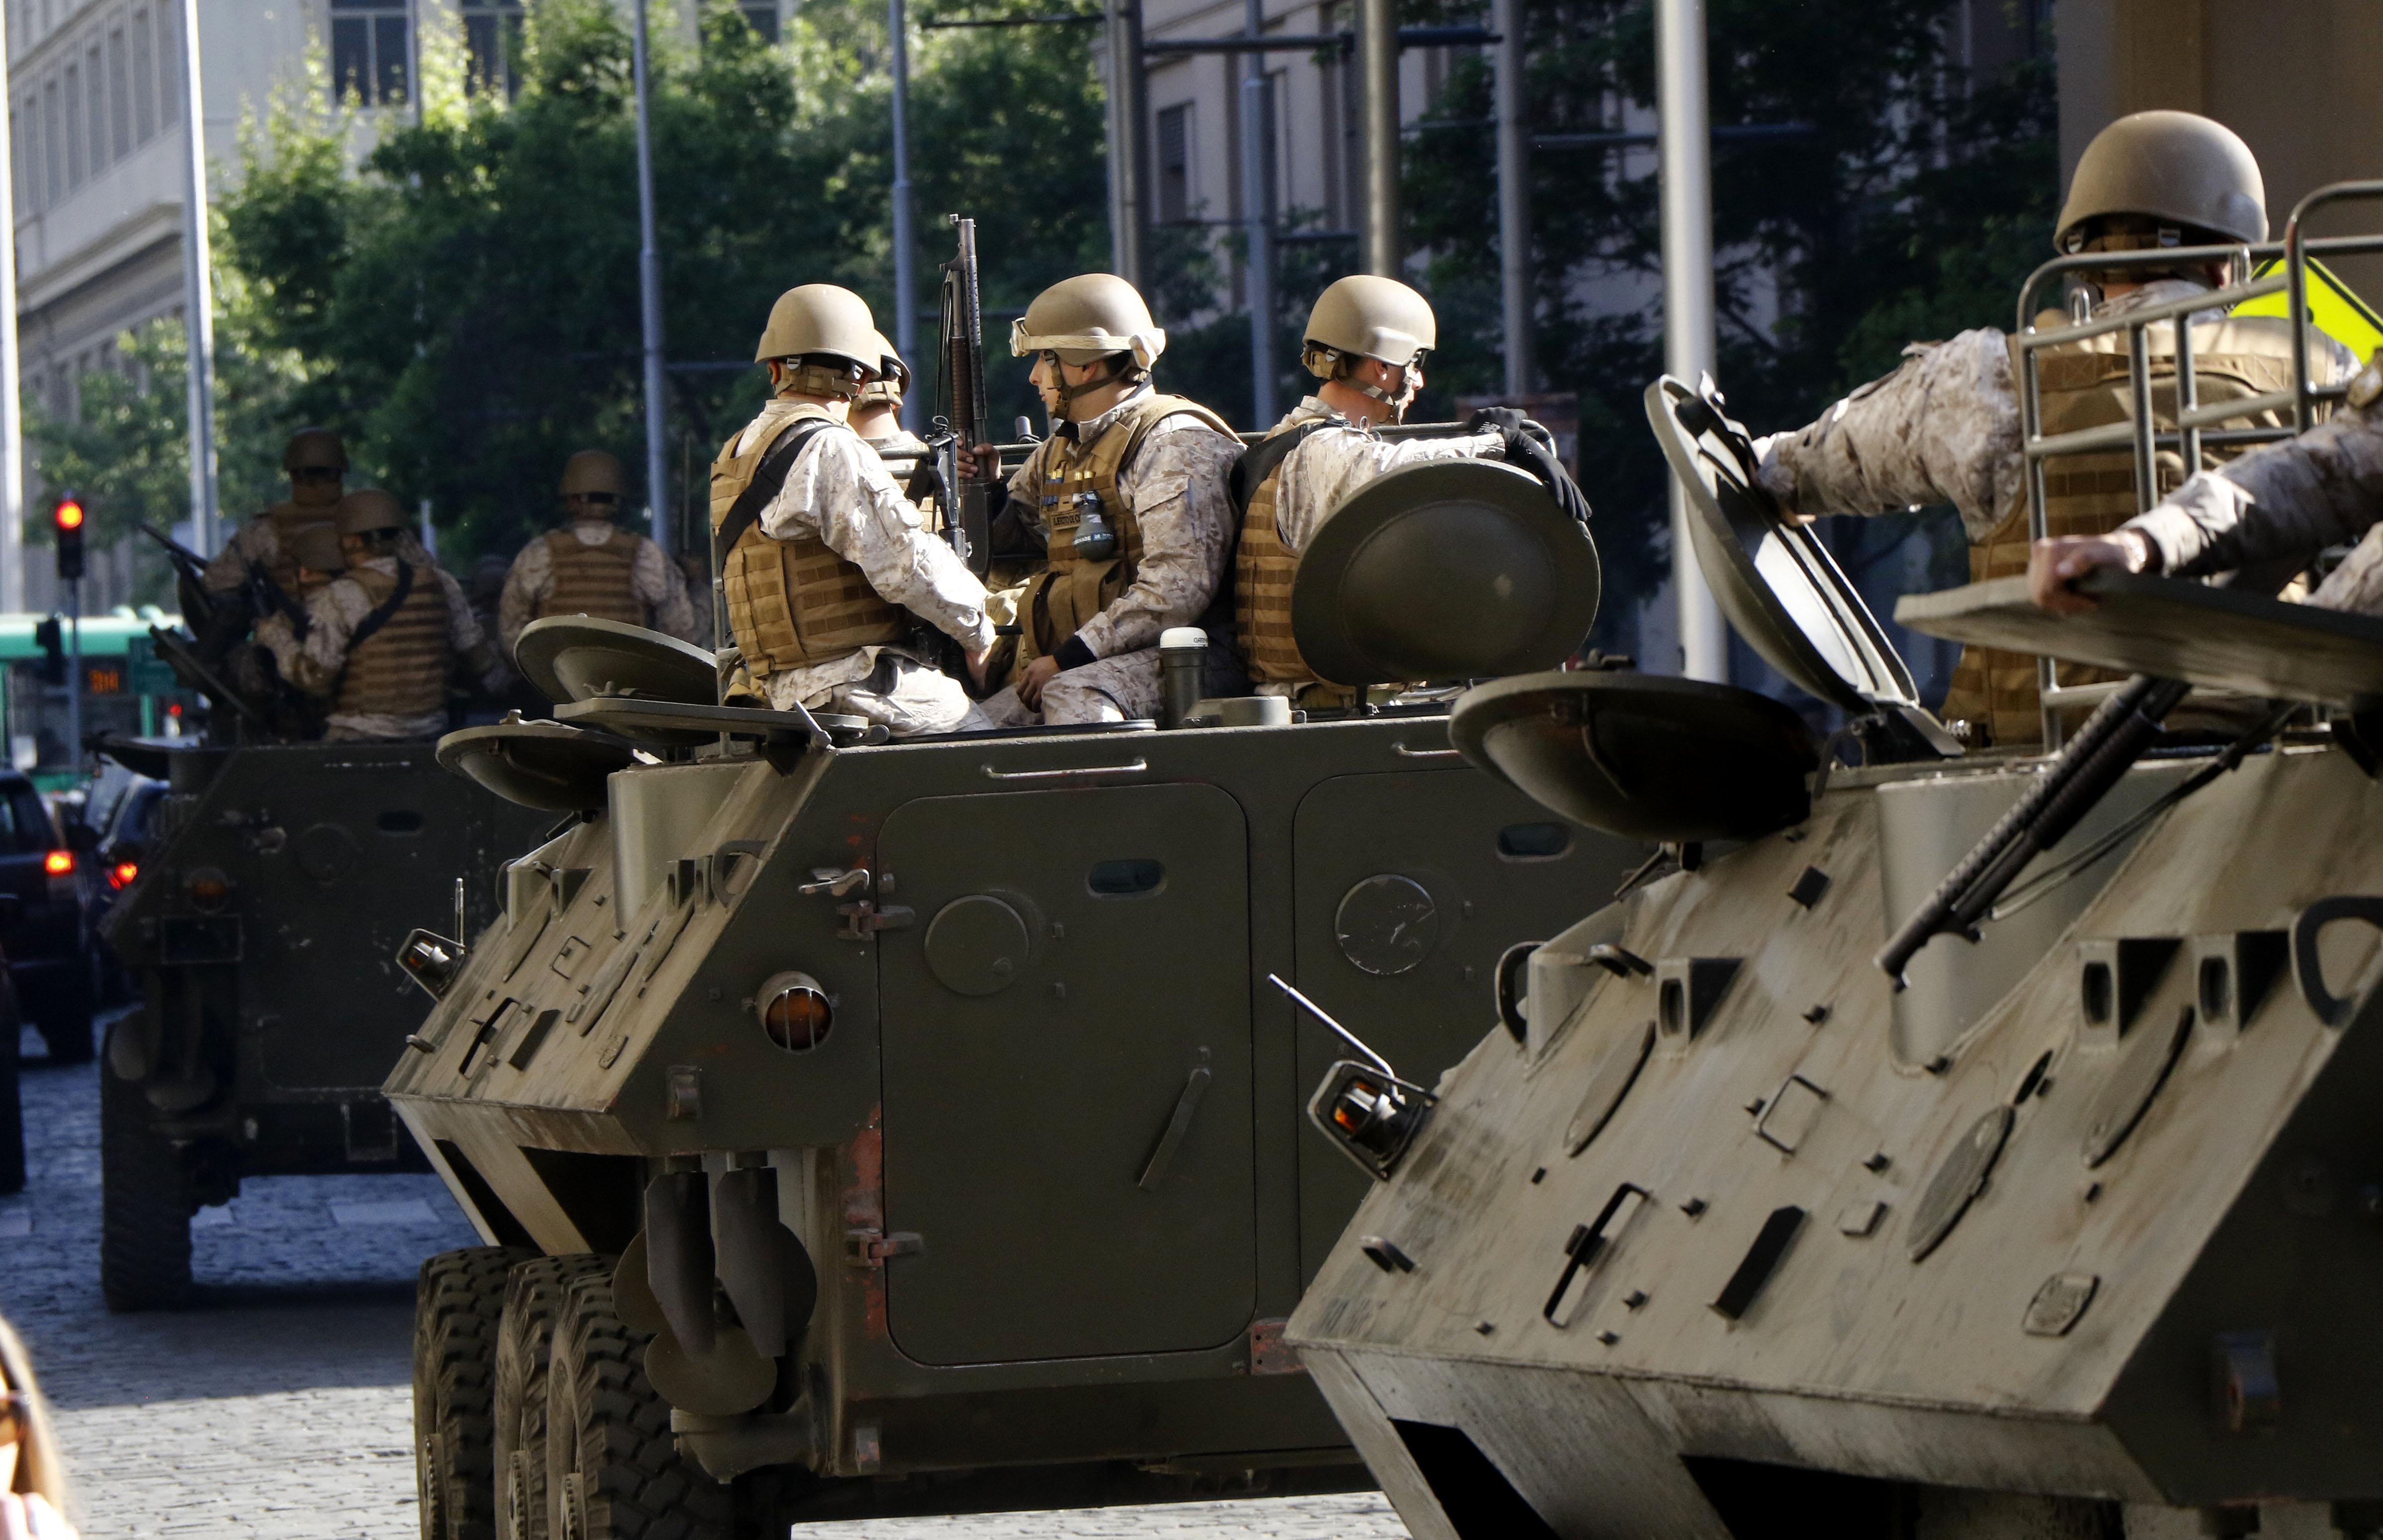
x=2190 y=433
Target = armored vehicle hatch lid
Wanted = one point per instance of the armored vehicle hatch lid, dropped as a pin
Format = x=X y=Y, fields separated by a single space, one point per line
x=545 y=765
x=1451 y=569
x=2172 y=628
x=572 y=658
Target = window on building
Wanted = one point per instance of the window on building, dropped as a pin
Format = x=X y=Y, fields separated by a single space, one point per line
x=74 y=125
x=1175 y=185
x=144 y=77
x=169 y=67
x=52 y=150
x=119 y=94
x=20 y=155
x=95 y=85
x=492 y=45
x=370 y=52
x=764 y=16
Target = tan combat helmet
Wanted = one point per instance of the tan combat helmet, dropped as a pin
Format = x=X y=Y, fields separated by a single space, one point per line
x=595 y=476
x=315 y=461
x=1087 y=319
x=1363 y=315
x=369 y=510
x=2193 y=177
x=827 y=337
x=893 y=381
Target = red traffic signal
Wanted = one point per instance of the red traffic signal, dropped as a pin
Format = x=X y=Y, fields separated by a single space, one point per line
x=66 y=520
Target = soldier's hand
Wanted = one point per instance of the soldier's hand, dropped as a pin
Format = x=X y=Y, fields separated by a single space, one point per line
x=2054 y=565
x=1031 y=680
x=981 y=464
x=30 y=1517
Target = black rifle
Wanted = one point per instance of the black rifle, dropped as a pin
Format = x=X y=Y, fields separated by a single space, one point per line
x=960 y=394
x=2100 y=756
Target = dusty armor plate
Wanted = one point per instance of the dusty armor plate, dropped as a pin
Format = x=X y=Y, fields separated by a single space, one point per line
x=1778 y=585
x=1452 y=568
x=568 y=658
x=2173 y=628
x=1644 y=755
x=538 y=764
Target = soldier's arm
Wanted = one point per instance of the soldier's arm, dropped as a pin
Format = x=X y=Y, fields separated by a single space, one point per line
x=333 y=610
x=656 y=584
x=529 y=579
x=474 y=655
x=1329 y=465
x=228 y=571
x=839 y=487
x=1942 y=428
x=2322 y=488
x=1176 y=486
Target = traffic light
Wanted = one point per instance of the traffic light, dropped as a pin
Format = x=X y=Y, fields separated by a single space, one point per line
x=66 y=520
x=49 y=636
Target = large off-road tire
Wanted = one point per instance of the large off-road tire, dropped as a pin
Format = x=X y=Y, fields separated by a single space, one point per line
x=458 y=1299
x=64 y=1018
x=613 y=1471
x=534 y=1296
x=144 y=1206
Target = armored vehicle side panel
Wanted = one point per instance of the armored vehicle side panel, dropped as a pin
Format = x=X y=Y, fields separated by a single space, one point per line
x=1048 y=1158
x=2107 y=1241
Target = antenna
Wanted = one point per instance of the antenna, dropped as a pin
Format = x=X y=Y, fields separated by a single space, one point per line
x=1312 y=1008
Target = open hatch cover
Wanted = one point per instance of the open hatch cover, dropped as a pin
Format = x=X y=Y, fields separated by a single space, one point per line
x=569 y=658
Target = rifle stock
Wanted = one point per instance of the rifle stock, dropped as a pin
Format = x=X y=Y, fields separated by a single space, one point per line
x=966 y=520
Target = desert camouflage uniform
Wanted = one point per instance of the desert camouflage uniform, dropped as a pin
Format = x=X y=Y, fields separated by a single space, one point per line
x=335 y=611
x=652 y=578
x=1176 y=486
x=839 y=490
x=2292 y=498
x=1332 y=462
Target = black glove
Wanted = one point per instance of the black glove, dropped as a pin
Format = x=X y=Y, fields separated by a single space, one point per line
x=1531 y=447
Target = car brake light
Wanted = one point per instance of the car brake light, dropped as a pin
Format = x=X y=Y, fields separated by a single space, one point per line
x=121 y=874
x=58 y=863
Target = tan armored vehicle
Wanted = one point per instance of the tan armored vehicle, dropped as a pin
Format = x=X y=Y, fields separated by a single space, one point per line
x=862 y=1126
x=1785 y=1218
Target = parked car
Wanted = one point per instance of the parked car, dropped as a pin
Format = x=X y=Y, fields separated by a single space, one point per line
x=44 y=917
x=126 y=838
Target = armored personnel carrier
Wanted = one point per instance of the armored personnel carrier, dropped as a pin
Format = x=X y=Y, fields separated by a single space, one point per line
x=265 y=1024
x=866 y=1126
x=1780 y=1216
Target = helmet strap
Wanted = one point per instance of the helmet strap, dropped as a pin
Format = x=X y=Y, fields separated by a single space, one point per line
x=821 y=375
x=1120 y=367
x=1343 y=369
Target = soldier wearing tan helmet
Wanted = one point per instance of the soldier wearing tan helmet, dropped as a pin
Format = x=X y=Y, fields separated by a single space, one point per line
x=592 y=566
x=877 y=416
x=384 y=637
x=827 y=567
x=1127 y=498
x=1945 y=427
x=1366 y=339
x=316 y=462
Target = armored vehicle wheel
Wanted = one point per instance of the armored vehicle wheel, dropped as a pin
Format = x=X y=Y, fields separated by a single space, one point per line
x=458 y=1299
x=145 y=1206
x=64 y=1019
x=534 y=1296
x=613 y=1469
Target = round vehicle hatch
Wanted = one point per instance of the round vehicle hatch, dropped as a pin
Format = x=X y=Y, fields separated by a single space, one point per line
x=1957 y=1181
x=1643 y=755
x=2144 y=1062
x=1386 y=924
x=1452 y=568
x=324 y=852
x=545 y=765
x=569 y=658
x=1778 y=585
x=976 y=946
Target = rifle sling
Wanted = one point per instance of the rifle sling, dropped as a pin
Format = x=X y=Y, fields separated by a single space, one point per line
x=1259 y=460
x=381 y=613
x=768 y=478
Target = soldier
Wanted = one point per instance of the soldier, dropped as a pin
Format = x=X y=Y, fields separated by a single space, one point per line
x=594 y=567
x=1945 y=427
x=1365 y=342
x=877 y=416
x=316 y=462
x=825 y=562
x=2289 y=500
x=1127 y=495
x=382 y=638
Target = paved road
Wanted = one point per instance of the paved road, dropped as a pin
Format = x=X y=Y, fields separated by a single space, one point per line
x=278 y=1407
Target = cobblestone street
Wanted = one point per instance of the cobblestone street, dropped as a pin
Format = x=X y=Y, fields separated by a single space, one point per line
x=278 y=1407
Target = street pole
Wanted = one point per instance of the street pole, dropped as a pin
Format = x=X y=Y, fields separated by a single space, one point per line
x=1377 y=77
x=906 y=239
x=198 y=291
x=1127 y=156
x=1685 y=153
x=1514 y=194
x=12 y=436
x=649 y=294
x=74 y=674
x=1257 y=196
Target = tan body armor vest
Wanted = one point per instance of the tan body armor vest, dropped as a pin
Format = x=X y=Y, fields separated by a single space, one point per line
x=1264 y=570
x=289 y=518
x=1072 y=480
x=402 y=668
x=792 y=603
x=597 y=581
x=2082 y=386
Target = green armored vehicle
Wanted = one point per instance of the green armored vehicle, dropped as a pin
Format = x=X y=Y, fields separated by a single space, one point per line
x=259 y=1039
x=864 y=1127
x=1793 y=1209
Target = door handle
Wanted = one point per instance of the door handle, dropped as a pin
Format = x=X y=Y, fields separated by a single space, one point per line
x=1177 y=1126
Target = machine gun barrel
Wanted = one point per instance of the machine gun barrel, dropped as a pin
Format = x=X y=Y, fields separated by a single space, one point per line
x=967 y=521
x=2102 y=753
